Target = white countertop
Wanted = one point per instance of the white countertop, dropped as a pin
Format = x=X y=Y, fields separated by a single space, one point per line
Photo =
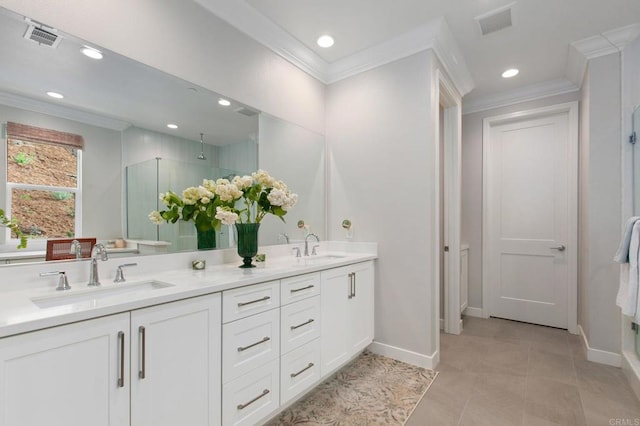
x=19 y=313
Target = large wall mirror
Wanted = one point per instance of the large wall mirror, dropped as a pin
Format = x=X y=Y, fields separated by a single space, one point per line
x=122 y=108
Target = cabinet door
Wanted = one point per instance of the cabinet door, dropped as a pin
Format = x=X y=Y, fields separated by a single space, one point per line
x=175 y=359
x=72 y=375
x=334 y=295
x=360 y=307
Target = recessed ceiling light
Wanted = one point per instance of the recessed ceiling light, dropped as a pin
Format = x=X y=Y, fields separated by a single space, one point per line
x=55 y=95
x=91 y=52
x=511 y=72
x=172 y=126
x=224 y=102
x=325 y=41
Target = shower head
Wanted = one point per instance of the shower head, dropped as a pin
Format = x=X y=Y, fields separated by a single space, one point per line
x=201 y=156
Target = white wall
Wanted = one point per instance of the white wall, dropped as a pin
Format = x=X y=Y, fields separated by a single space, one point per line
x=381 y=139
x=101 y=171
x=600 y=206
x=183 y=39
x=472 y=184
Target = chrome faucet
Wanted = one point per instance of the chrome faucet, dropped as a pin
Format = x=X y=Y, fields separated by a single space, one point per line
x=283 y=236
x=306 y=243
x=98 y=249
x=76 y=249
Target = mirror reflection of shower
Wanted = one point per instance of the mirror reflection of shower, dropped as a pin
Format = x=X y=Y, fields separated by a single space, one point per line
x=201 y=156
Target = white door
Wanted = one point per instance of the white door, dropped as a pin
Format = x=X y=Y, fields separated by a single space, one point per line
x=360 y=307
x=175 y=363
x=530 y=216
x=71 y=375
x=336 y=288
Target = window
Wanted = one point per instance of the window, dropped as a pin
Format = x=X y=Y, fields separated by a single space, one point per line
x=43 y=181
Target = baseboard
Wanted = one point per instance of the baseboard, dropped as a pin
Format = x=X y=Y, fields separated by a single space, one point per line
x=596 y=355
x=473 y=312
x=631 y=368
x=404 y=355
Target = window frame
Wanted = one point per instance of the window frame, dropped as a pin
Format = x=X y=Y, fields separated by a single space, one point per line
x=38 y=244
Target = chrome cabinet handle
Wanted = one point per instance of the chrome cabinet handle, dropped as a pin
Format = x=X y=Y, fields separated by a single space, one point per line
x=295 y=290
x=121 y=370
x=350 y=285
x=254 y=301
x=302 y=371
x=246 y=404
x=143 y=352
x=559 y=248
x=244 y=348
x=294 y=327
x=354 y=284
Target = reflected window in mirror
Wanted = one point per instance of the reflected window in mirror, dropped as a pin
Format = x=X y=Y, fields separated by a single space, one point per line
x=43 y=174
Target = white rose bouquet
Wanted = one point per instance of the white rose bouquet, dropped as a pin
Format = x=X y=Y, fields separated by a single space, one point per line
x=244 y=199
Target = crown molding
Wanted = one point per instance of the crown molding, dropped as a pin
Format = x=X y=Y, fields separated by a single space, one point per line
x=606 y=43
x=17 y=101
x=435 y=35
x=248 y=20
x=523 y=94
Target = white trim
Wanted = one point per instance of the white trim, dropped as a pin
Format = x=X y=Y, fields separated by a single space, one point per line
x=471 y=311
x=596 y=355
x=405 y=355
x=522 y=94
x=631 y=371
x=42 y=107
x=581 y=51
x=434 y=35
x=448 y=97
x=572 y=236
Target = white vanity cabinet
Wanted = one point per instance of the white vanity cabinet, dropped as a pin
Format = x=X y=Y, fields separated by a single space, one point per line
x=156 y=366
x=176 y=363
x=71 y=375
x=347 y=313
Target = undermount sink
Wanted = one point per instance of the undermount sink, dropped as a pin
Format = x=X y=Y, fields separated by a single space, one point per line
x=97 y=294
x=318 y=259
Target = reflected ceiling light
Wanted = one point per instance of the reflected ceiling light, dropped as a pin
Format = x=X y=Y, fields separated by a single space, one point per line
x=511 y=72
x=91 y=52
x=325 y=41
x=224 y=102
x=172 y=126
x=55 y=95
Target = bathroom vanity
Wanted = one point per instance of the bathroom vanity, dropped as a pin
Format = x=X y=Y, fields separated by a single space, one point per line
x=218 y=346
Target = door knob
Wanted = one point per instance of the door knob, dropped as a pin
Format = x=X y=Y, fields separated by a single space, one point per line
x=559 y=248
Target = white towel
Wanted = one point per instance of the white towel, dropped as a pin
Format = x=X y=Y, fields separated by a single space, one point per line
x=627 y=297
x=622 y=255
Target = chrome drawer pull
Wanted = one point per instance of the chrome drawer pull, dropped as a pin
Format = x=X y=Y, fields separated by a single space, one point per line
x=254 y=301
x=121 y=372
x=302 y=371
x=266 y=339
x=293 y=327
x=245 y=405
x=142 y=373
x=295 y=290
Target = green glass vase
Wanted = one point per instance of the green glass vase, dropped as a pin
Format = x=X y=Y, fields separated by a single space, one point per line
x=206 y=239
x=247 y=242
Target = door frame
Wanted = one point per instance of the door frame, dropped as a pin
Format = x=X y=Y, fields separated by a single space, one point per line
x=448 y=97
x=572 y=185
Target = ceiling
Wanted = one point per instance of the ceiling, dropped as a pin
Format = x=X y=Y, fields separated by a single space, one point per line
x=114 y=92
x=538 y=42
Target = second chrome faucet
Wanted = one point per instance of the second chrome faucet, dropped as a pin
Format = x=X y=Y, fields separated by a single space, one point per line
x=97 y=250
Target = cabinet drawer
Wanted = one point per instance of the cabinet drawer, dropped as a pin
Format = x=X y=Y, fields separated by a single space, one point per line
x=244 y=301
x=298 y=288
x=299 y=370
x=252 y=397
x=250 y=342
x=300 y=323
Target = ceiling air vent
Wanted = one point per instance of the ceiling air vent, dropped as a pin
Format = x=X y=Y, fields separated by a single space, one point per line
x=495 y=20
x=246 y=111
x=41 y=34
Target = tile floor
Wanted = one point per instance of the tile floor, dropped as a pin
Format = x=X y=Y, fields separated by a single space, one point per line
x=500 y=372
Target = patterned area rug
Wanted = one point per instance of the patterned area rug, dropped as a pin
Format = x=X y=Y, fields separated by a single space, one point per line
x=371 y=390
